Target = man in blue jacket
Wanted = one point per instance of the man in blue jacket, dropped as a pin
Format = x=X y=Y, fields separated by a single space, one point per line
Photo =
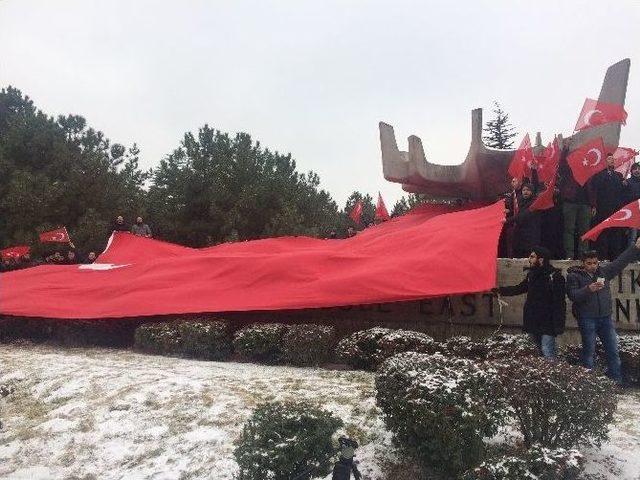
x=589 y=289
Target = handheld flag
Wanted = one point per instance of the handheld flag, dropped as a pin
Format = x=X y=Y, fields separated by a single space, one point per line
x=596 y=113
x=627 y=216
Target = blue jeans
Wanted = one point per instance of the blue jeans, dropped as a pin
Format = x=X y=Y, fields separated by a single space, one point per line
x=601 y=327
x=546 y=343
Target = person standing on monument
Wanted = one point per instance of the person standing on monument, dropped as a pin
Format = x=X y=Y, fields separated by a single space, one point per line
x=577 y=205
x=544 y=312
x=610 y=195
x=526 y=224
x=589 y=289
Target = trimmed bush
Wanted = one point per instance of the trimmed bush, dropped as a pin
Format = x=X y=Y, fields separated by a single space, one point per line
x=206 y=339
x=282 y=441
x=510 y=346
x=556 y=404
x=308 y=344
x=440 y=408
x=464 y=347
x=366 y=349
x=261 y=342
x=537 y=463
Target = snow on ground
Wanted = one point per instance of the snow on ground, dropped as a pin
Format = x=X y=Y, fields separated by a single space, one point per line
x=114 y=414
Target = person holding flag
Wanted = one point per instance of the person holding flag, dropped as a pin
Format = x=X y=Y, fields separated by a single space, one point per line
x=609 y=193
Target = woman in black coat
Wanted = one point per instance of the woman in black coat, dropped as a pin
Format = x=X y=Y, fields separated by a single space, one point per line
x=544 y=312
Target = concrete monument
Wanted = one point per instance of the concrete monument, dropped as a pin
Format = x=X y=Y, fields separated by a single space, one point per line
x=483 y=174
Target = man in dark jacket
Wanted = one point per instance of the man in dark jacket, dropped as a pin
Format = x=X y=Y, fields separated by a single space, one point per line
x=589 y=289
x=632 y=186
x=119 y=225
x=610 y=195
x=544 y=312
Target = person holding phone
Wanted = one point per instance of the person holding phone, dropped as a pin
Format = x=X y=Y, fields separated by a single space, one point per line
x=589 y=289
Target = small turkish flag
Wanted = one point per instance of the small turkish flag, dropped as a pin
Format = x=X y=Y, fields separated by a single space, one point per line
x=59 y=235
x=548 y=164
x=624 y=158
x=596 y=113
x=381 y=209
x=522 y=159
x=356 y=212
x=14 y=252
x=587 y=160
x=627 y=216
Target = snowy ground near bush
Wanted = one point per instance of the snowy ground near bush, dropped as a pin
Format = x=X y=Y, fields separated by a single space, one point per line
x=114 y=414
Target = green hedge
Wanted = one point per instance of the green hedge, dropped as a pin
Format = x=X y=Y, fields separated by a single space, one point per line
x=261 y=342
x=308 y=344
x=197 y=338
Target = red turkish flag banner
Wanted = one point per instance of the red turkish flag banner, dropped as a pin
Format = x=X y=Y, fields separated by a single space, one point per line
x=596 y=113
x=548 y=166
x=627 y=216
x=356 y=211
x=587 y=160
x=410 y=257
x=522 y=159
x=381 y=210
x=59 y=235
x=624 y=158
x=14 y=252
x=545 y=199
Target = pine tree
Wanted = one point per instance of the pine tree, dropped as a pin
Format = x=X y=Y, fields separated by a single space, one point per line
x=499 y=132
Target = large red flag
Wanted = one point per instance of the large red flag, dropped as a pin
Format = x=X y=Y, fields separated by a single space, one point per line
x=59 y=235
x=410 y=257
x=14 y=252
x=627 y=216
x=596 y=113
x=356 y=211
x=381 y=210
x=522 y=159
x=624 y=158
x=587 y=160
x=548 y=165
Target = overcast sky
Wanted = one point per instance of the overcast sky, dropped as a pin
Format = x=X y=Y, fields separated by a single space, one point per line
x=314 y=78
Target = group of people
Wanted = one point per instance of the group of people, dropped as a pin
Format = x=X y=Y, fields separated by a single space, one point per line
x=576 y=209
x=588 y=288
x=70 y=256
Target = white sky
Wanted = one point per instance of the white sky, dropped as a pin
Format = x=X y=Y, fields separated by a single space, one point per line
x=314 y=77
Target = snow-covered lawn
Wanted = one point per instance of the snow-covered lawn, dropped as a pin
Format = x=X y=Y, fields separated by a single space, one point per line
x=115 y=414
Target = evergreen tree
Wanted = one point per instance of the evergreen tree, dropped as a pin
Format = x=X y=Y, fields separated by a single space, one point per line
x=499 y=132
x=215 y=187
x=405 y=204
x=57 y=172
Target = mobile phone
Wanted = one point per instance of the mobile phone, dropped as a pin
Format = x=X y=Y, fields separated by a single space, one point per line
x=600 y=280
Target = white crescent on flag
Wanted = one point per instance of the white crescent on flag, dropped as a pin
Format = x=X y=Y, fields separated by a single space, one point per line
x=626 y=215
x=598 y=153
x=586 y=119
x=57 y=237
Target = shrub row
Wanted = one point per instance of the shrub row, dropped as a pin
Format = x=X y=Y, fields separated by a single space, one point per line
x=442 y=408
x=261 y=342
x=367 y=349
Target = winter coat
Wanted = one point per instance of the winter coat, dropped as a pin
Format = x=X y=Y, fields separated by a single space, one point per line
x=120 y=227
x=545 y=307
x=526 y=232
x=632 y=189
x=142 y=230
x=588 y=304
x=571 y=191
x=609 y=191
